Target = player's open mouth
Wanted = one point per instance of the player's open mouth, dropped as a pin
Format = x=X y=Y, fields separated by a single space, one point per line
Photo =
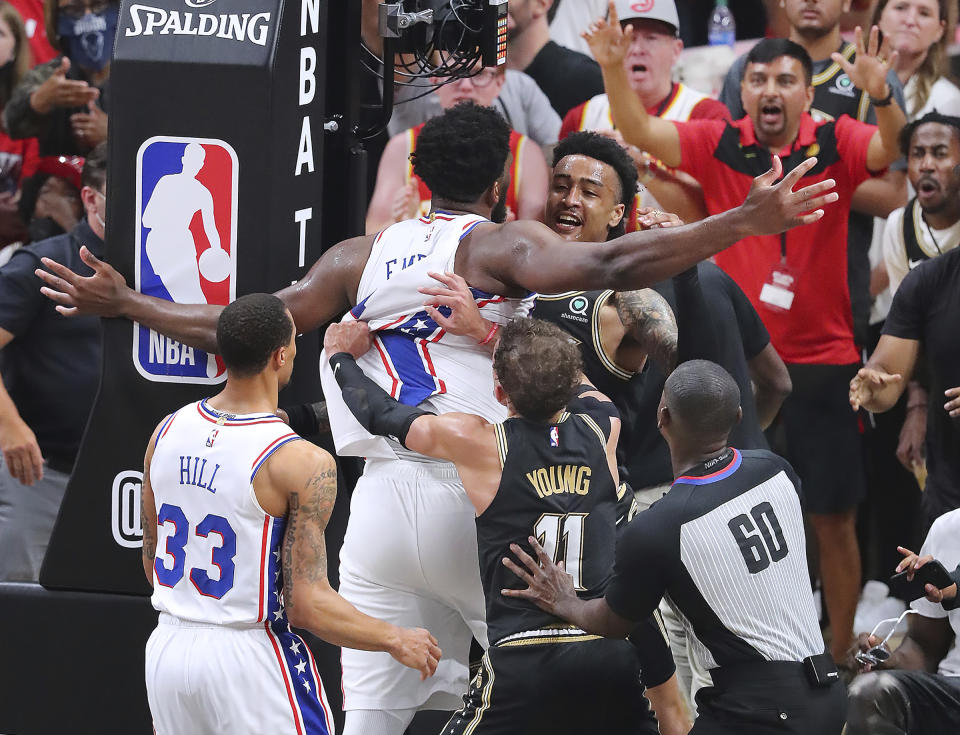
x=927 y=186
x=638 y=68
x=567 y=222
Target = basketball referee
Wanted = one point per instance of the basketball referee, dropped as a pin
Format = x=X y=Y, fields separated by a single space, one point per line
x=725 y=547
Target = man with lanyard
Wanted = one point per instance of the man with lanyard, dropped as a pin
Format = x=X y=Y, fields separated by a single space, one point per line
x=655 y=50
x=726 y=549
x=926 y=228
x=798 y=284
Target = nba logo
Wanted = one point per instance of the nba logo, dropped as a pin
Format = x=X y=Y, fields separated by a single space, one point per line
x=186 y=235
x=554 y=436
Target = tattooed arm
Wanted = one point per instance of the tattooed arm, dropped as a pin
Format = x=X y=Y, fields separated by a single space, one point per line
x=307 y=477
x=148 y=511
x=650 y=326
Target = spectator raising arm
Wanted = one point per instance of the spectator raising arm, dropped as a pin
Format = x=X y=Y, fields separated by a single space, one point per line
x=609 y=44
x=869 y=73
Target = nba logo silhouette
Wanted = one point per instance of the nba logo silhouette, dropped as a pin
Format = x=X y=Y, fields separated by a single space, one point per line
x=554 y=436
x=186 y=234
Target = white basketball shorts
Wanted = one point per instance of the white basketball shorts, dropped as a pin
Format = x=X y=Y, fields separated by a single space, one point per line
x=212 y=679
x=410 y=557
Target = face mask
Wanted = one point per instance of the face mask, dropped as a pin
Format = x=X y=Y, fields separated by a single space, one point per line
x=89 y=40
x=42 y=228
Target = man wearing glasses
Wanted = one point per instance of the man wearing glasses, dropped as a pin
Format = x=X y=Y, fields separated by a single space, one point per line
x=51 y=368
x=400 y=194
x=916 y=688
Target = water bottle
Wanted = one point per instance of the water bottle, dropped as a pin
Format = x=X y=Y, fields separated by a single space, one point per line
x=722 y=31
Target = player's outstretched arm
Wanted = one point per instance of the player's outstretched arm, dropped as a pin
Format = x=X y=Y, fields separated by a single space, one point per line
x=609 y=44
x=323 y=294
x=527 y=255
x=308 y=476
x=551 y=589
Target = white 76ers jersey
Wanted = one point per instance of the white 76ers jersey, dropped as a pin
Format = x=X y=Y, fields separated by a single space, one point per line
x=218 y=551
x=413 y=359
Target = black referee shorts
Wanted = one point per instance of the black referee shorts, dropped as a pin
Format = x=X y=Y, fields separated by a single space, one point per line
x=769 y=698
x=823 y=438
x=576 y=687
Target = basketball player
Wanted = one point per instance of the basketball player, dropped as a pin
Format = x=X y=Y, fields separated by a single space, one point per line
x=726 y=549
x=226 y=484
x=549 y=469
x=401 y=556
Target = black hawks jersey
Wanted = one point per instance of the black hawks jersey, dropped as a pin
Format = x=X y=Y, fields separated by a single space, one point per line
x=578 y=314
x=835 y=95
x=556 y=486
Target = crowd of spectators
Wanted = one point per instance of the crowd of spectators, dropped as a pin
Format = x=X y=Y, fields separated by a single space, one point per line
x=862 y=308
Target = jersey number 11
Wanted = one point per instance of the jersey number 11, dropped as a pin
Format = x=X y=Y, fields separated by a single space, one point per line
x=558 y=532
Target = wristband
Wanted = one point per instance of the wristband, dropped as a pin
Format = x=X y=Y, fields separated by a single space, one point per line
x=886 y=101
x=493 y=330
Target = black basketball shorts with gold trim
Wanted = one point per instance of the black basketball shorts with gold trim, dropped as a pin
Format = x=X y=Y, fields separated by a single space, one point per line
x=555 y=681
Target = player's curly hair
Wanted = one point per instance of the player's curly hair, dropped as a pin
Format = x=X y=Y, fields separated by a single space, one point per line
x=538 y=365
x=462 y=152
x=249 y=330
x=608 y=151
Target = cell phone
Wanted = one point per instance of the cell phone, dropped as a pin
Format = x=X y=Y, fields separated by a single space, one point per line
x=932 y=572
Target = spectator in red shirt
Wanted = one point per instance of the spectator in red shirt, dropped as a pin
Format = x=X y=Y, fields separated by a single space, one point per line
x=797 y=282
x=649 y=64
x=35 y=25
x=18 y=158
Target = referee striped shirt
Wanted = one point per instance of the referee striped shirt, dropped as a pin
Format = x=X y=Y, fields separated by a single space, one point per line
x=726 y=549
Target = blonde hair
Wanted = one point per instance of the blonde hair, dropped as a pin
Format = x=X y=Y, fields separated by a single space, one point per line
x=934 y=65
x=22 y=57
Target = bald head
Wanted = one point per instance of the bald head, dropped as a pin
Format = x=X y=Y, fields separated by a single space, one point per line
x=703 y=400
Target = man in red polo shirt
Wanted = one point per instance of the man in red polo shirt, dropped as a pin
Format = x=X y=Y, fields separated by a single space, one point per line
x=797 y=282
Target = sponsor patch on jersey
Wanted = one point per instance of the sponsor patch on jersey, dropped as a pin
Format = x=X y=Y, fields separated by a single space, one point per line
x=186 y=232
x=843 y=85
x=554 y=436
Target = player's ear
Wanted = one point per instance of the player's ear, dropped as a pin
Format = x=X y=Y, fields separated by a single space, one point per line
x=616 y=215
x=663 y=417
x=739 y=414
x=499 y=393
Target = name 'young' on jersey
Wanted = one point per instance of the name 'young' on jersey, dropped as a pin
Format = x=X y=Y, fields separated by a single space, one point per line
x=556 y=486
